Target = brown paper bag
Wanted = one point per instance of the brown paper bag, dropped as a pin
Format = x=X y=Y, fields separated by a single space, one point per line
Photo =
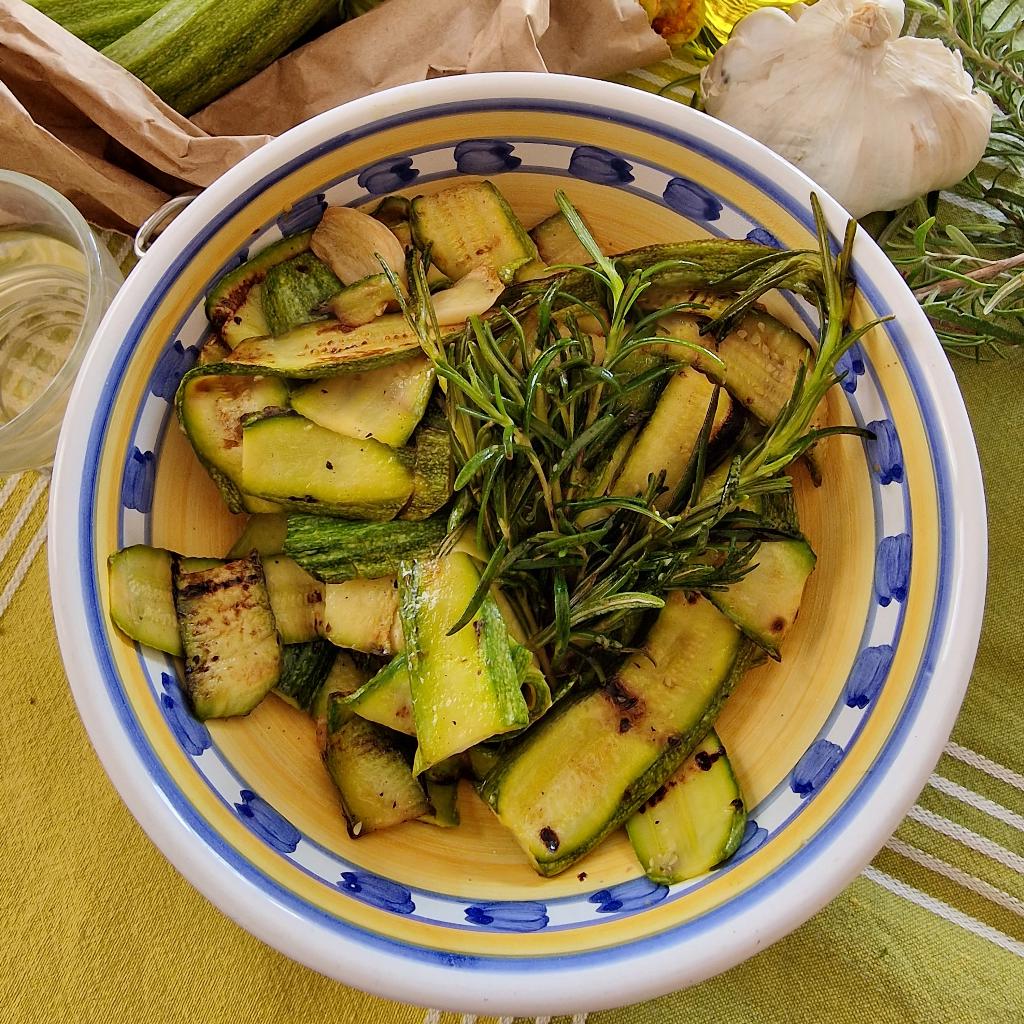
x=83 y=124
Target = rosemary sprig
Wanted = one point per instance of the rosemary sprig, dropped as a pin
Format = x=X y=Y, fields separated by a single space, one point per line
x=540 y=394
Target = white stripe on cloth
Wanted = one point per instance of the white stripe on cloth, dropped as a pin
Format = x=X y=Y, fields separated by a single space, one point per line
x=647 y=76
x=944 y=910
x=8 y=539
x=986 y=765
x=22 y=568
x=981 y=844
x=976 y=800
x=8 y=488
x=432 y=1017
x=954 y=874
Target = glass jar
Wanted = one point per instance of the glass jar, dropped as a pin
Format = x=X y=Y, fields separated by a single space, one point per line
x=56 y=281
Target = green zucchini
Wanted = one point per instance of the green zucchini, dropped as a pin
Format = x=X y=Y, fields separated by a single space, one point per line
x=667 y=440
x=386 y=403
x=302 y=465
x=482 y=759
x=248 y=321
x=224 y=303
x=468 y=226
x=263 y=533
x=189 y=53
x=211 y=410
x=588 y=765
x=432 y=473
x=362 y=301
x=387 y=698
x=557 y=243
x=336 y=550
x=213 y=350
x=141 y=603
x=304 y=667
x=98 y=22
x=231 y=648
x=764 y=604
x=344 y=677
x=444 y=806
x=694 y=821
x=297 y=599
x=392 y=210
x=464 y=686
x=363 y=615
x=294 y=290
x=376 y=785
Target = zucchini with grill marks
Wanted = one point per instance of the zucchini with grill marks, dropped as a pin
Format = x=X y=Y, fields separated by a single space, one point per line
x=694 y=821
x=294 y=290
x=469 y=226
x=432 y=473
x=362 y=301
x=229 y=639
x=373 y=777
x=363 y=615
x=587 y=766
x=297 y=599
x=557 y=243
x=211 y=410
x=386 y=403
x=335 y=550
x=304 y=667
x=301 y=465
x=464 y=685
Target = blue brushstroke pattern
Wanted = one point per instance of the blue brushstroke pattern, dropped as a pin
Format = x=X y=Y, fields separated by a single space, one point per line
x=763 y=237
x=692 y=200
x=599 y=165
x=137 y=485
x=892 y=569
x=754 y=837
x=378 y=892
x=172 y=365
x=636 y=894
x=485 y=156
x=867 y=675
x=850 y=365
x=275 y=830
x=388 y=175
x=193 y=736
x=885 y=453
x=305 y=214
x=526 y=916
x=815 y=768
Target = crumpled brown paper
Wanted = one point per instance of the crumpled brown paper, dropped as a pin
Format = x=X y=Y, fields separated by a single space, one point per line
x=83 y=124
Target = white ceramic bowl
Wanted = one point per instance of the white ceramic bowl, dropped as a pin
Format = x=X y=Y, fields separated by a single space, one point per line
x=831 y=746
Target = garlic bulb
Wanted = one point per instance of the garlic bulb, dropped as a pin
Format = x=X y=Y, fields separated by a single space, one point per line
x=875 y=119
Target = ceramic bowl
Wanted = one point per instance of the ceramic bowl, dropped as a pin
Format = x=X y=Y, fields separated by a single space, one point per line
x=831 y=746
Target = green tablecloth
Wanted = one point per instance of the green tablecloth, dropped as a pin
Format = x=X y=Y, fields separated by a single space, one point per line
x=97 y=926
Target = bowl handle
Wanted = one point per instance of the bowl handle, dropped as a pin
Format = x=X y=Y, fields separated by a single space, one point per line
x=158 y=220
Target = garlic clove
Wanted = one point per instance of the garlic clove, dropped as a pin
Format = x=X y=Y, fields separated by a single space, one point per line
x=349 y=241
x=875 y=119
x=472 y=295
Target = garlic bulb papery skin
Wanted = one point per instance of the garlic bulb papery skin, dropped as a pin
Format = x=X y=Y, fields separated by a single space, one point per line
x=875 y=119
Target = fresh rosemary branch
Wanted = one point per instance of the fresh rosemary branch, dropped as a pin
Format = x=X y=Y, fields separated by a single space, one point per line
x=541 y=393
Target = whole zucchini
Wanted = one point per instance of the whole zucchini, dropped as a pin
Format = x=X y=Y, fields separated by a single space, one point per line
x=192 y=51
x=98 y=22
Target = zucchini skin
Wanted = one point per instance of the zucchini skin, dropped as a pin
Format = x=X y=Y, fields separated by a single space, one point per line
x=304 y=667
x=98 y=22
x=293 y=290
x=432 y=473
x=232 y=651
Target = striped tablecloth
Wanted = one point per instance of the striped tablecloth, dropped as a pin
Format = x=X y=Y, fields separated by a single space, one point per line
x=97 y=926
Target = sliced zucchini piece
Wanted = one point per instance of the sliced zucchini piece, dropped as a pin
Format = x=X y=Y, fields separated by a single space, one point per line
x=297 y=599
x=376 y=785
x=294 y=290
x=229 y=639
x=764 y=604
x=362 y=301
x=669 y=436
x=302 y=465
x=211 y=410
x=247 y=321
x=264 y=533
x=482 y=759
x=387 y=698
x=363 y=614
x=213 y=351
x=464 y=686
x=226 y=297
x=336 y=550
x=386 y=403
x=557 y=243
x=694 y=821
x=345 y=676
x=443 y=797
x=468 y=226
x=304 y=667
x=587 y=766
x=141 y=603
x=392 y=210
x=432 y=473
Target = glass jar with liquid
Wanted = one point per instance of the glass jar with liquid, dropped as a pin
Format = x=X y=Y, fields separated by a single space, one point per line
x=56 y=281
